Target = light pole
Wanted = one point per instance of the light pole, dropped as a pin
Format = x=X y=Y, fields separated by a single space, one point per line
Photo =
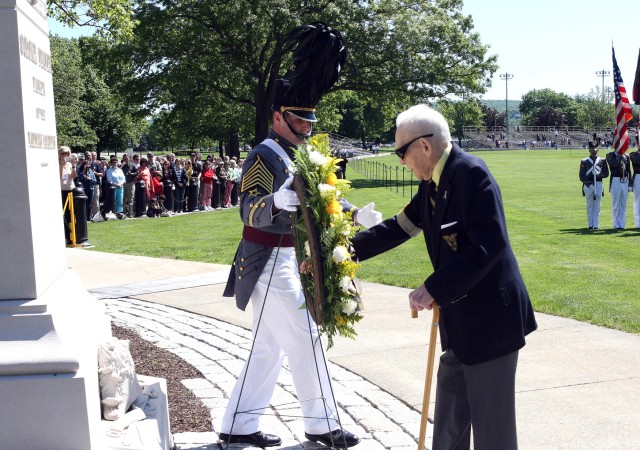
x=115 y=143
x=603 y=73
x=506 y=77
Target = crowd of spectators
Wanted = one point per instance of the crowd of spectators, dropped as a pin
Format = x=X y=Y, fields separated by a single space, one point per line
x=172 y=185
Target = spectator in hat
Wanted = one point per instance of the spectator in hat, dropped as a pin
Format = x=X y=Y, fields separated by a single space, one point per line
x=153 y=164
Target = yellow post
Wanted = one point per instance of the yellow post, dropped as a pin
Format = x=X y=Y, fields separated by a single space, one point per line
x=69 y=204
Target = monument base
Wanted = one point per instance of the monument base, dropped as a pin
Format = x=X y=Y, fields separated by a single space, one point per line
x=49 y=369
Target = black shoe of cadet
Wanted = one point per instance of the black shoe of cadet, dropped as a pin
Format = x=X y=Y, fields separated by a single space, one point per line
x=259 y=439
x=335 y=439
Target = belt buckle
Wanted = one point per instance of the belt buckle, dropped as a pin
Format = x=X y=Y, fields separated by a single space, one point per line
x=624 y=179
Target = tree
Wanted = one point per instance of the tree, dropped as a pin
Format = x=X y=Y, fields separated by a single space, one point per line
x=234 y=52
x=546 y=107
x=595 y=113
x=89 y=114
x=111 y=18
x=491 y=118
x=68 y=93
x=365 y=117
x=460 y=114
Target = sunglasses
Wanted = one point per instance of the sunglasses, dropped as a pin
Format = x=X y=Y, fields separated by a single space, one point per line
x=400 y=151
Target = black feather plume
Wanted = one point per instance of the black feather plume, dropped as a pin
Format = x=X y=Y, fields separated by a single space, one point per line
x=318 y=57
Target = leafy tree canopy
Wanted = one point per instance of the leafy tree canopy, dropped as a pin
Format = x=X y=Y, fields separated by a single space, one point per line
x=112 y=19
x=460 y=114
x=229 y=54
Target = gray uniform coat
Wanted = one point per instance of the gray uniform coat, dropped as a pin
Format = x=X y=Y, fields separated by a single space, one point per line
x=263 y=173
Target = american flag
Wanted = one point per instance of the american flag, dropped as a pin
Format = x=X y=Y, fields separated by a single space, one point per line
x=623 y=109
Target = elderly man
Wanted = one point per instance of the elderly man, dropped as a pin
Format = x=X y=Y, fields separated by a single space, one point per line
x=485 y=308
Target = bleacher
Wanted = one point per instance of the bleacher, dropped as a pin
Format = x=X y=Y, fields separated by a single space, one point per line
x=476 y=138
x=342 y=144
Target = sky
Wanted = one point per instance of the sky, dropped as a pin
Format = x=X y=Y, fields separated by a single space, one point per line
x=555 y=44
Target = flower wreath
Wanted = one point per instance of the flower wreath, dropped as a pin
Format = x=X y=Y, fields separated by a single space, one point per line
x=317 y=167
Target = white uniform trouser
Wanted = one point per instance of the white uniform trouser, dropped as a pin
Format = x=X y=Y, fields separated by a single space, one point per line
x=636 y=200
x=285 y=328
x=619 y=196
x=593 y=194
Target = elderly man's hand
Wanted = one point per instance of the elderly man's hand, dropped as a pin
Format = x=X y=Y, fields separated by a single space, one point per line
x=420 y=299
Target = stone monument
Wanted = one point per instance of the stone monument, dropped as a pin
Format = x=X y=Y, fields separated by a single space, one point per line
x=50 y=326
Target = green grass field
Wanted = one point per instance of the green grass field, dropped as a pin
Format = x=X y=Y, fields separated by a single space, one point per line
x=570 y=271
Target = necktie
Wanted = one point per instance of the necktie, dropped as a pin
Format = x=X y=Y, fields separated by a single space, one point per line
x=433 y=192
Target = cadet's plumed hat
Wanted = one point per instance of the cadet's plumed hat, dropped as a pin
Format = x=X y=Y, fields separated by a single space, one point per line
x=318 y=57
x=595 y=142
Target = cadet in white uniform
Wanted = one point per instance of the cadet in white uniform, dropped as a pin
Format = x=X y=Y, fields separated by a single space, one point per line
x=592 y=170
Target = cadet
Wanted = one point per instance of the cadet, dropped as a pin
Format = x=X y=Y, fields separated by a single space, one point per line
x=592 y=170
x=620 y=169
x=635 y=184
x=265 y=267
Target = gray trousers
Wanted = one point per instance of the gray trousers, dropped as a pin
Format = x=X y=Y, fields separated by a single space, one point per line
x=479 y=397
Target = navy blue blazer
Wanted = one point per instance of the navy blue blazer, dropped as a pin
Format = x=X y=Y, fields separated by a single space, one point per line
x=485 y=307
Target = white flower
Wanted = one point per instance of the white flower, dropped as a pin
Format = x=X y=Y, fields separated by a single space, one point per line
x=340 y=253
x=345 y=283
x=349 y=307
x=307 y=248
x=347 y=230
x=325 y=189
x=316 y=158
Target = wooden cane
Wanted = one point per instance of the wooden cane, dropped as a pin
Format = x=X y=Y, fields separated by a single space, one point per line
x=429 y=375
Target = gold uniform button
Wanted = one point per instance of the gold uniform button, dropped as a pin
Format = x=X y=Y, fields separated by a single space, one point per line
x=241 y=269
x=240 y=277
x=250 y=205
x=242 y=259
x=262 y=205
x=286 y=170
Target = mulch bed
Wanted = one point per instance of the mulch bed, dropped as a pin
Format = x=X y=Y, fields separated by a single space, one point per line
x=186 y=411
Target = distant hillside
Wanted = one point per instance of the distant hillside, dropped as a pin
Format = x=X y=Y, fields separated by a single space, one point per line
x=498 y=105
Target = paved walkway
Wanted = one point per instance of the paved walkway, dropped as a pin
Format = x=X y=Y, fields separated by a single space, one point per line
x=578 y=385
x=219 y=350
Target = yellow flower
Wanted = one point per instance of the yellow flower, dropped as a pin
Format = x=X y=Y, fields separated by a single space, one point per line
x=332 y=179
x=334 y=207
x=340 y=320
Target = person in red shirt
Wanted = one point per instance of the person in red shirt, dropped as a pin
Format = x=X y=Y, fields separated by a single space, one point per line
x=207 y=177
x=156 y=185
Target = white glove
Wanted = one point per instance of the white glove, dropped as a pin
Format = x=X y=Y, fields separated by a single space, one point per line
x=368 y=216
x=285 y=198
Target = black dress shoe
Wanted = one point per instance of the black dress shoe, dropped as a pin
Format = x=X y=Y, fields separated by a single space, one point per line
x=336 y=438
x=259 y=439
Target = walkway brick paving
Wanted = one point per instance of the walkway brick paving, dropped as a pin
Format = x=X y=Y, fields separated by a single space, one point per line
x=219 y=350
